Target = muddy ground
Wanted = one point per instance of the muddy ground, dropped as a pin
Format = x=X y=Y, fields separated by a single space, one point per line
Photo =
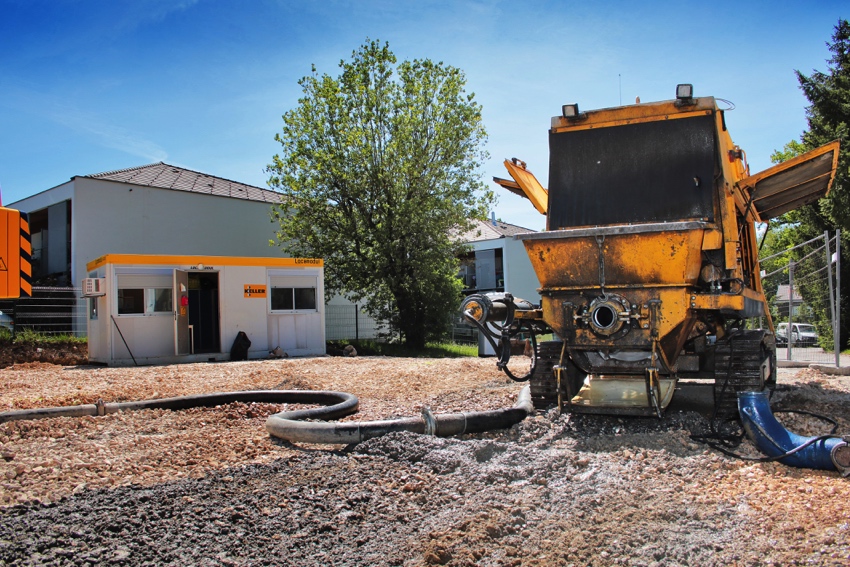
x=61 y=353
x=209 y=487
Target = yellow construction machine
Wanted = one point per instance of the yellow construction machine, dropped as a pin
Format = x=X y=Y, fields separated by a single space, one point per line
x=648 y=266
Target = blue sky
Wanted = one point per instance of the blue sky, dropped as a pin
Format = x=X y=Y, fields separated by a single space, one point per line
x=93 y=86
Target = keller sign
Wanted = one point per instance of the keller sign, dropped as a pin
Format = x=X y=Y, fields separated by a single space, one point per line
x=255 y=290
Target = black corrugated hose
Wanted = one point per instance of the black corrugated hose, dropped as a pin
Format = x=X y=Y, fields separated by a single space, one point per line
x=291 y=425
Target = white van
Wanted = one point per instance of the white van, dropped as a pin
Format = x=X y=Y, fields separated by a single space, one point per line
x=802 y=334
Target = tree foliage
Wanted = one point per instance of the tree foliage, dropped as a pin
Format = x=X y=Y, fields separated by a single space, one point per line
x=828 y=116
x=378 y=170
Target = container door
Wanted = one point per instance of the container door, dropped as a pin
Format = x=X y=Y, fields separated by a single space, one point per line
x=182 y=344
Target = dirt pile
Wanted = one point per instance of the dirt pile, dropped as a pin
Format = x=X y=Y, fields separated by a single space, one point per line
x=63 y=353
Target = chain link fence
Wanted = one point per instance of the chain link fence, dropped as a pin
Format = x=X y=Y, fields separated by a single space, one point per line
x=50 y=311
x=802 y=284
x=349 y=322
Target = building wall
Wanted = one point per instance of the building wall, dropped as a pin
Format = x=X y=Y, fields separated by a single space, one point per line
x=117 y=218
x=58 y=194
x=517 y=272
x=520 y=278
x=53 y=243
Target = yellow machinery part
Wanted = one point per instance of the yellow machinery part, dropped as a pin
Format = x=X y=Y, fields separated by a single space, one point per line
x=571 y=259
x=528 y=184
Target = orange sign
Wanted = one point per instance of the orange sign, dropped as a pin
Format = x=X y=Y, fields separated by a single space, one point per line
x=255 y=290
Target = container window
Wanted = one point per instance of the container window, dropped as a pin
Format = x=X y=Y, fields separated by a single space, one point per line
x=282 y=299
x=293 y=299
x=159 y=300
x=145 y=301
x=305 y=298
x=131 y=301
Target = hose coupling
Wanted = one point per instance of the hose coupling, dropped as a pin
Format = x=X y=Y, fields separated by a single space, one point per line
x=430 y=421
x=840 y=456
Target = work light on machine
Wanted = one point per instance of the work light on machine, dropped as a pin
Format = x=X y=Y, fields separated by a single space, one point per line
x=684 y=91
x=570 y=110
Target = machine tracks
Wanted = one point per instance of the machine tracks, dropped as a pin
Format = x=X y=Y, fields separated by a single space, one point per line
x=544 y=385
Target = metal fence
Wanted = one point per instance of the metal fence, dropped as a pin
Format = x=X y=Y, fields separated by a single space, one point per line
x=806 y=307
x=464 y=334
x=349 y=322
x=50 y=310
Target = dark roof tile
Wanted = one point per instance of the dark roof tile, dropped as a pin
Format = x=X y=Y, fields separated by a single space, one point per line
x=164 y=176
x=491 y=230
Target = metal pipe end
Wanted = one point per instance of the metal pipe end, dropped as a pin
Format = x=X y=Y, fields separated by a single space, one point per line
x=840 y=456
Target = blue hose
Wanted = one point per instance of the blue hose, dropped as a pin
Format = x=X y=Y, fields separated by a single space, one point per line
x=825 y=452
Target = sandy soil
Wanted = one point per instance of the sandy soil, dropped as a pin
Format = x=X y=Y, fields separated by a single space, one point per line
x=209 y=487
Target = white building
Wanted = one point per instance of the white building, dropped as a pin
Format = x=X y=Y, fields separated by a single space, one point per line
x=155 y=309
x=498 y=262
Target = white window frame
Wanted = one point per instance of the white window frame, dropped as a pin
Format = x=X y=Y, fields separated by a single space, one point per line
x=156 y=282
x=293 y=279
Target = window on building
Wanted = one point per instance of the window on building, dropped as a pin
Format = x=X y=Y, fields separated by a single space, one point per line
x=131 y=301
x=144 y=301
x=293 y=294
x=159 y=300
x=145 y=294
x=293 y=298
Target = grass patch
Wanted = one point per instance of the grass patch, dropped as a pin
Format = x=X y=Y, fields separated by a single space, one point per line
x=28 y=336
x=432 y=350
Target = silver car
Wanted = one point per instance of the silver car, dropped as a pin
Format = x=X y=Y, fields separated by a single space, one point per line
x=802 y=334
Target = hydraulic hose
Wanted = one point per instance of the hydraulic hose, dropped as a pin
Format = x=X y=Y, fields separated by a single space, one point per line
x=340 y=404
x=289 y=425
x=825 y=452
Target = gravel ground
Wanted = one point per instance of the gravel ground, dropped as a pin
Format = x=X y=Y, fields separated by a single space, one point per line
x=209 y=487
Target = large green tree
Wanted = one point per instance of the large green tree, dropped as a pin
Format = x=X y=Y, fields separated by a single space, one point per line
x=379 y=170
x=828 y=117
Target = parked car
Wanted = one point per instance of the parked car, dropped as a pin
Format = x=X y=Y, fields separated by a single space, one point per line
x=802 y=334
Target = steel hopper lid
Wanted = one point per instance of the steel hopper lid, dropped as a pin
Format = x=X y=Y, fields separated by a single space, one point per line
x=793 y=183
x=525 y=185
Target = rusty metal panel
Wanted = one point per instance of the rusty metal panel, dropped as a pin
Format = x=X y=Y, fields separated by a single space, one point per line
x=792 y=184
x=589 y=258
x=647 y=172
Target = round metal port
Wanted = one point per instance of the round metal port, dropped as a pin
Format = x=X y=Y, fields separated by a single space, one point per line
x=604 y=314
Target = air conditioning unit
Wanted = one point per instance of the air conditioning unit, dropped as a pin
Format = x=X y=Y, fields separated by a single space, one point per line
x=94 y=287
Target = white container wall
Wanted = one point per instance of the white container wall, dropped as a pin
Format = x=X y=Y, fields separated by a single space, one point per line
x=159 y=309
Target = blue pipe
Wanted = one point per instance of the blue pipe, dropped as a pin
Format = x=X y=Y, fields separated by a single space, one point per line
x=821 y=452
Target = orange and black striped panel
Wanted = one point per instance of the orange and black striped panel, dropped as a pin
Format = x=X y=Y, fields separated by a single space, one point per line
x=26 y=257
x=15 y=255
